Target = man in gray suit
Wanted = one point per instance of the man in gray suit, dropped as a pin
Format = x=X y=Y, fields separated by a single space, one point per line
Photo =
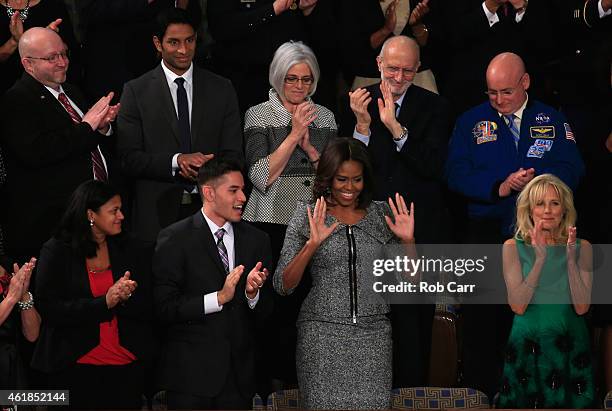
x=173 y=119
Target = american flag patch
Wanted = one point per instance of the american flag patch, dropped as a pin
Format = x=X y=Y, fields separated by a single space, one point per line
x=569 y=134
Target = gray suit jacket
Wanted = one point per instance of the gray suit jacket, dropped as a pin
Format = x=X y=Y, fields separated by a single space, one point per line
x=148 y=139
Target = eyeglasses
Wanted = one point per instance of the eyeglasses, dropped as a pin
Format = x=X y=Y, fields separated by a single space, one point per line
x=307 y=81
x=406 y=72
x=507 y=92
x=54 y=58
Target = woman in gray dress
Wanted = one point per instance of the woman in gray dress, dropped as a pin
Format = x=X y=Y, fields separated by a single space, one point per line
x=344 y=337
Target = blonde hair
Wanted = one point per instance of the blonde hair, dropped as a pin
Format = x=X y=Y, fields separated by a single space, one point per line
x=533 y=192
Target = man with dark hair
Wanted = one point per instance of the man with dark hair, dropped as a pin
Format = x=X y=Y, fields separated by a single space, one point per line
x=173 y=120
x=208 y=306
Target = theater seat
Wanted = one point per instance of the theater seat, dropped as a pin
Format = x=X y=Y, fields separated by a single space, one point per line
x=437 y=398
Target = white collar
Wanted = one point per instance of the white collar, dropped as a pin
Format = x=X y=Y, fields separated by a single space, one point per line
x=229 y=230
x=171 y=76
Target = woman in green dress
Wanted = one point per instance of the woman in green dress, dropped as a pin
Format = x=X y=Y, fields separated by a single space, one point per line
x=548 y=274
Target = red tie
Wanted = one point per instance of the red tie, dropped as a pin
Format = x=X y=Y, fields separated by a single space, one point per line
x=96 y=157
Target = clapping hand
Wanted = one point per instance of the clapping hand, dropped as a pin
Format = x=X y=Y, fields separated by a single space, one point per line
x=360 y=99
x=20 y=281
x=101 y=114
x=417 y=14
x=319 y=231
x=229 y=287
x=538 y=240
x=255 y=280
x=54 y=25
x=121 y=291
x=571 y=242
x=386 y=107
x=402 y=224
x=16 y=27
x=307 y=6
x=390 y=17
x=303 y=115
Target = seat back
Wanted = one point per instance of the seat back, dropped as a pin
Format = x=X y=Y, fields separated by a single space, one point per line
x=608 y=401
x=284 y=399
x=437 y=398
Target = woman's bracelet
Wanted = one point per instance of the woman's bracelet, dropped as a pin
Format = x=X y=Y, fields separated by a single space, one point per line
x=23 y=306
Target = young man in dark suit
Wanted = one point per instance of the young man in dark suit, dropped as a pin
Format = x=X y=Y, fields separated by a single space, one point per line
x=173 y=119
x=51 y=143
x=206 y=301
x=406 y=129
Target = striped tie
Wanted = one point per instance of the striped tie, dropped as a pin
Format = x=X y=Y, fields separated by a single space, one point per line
x=96 y=157
x=222 y=250
x=516 y=135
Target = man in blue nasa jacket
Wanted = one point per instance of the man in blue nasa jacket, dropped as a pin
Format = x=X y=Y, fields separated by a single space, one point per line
x=499 y=146
x=496 y=149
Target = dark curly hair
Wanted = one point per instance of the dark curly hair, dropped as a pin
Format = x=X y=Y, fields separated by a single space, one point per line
x=335 y=153
x=74 y=226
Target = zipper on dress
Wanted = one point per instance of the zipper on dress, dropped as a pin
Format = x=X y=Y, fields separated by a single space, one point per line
x=352 y=272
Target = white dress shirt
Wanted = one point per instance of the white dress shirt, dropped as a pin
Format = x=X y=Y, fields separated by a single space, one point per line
x=211 y=302
x=493 y=18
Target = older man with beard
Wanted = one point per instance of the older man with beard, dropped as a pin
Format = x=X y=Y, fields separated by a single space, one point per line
x=406 y=130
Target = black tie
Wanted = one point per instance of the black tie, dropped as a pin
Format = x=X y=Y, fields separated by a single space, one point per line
x=183 y=116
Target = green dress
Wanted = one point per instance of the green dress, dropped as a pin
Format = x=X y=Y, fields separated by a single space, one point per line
x=548 y=357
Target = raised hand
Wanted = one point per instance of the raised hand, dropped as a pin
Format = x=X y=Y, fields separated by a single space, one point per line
x=417 y=14
x=402 y=224
x=307 y=6
x=255 y=280
x=281 y=6
x=229 y=287
x=54 y=25
x=571 y=242
x=390 y=18
x=27 y=269
x=386 y=107
x=319 y=231
x=16 y=27
x=538 y=240
x=360 y=99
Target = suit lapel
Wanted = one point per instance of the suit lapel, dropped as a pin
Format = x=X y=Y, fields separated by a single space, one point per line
x=407 y=114
x=46 y=97
x=165 y=100
x=197 y=104
x=207 y=240
x=240 y=245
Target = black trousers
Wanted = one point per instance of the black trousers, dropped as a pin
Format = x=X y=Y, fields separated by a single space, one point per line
x=485 y=328
x=230 y=398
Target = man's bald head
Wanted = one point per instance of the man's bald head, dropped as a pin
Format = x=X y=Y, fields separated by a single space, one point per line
x=398 y=63
x=36 y=46
x=507 y=83
x=400 y=43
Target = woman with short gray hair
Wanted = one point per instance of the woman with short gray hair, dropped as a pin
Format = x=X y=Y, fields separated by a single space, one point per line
x=284 y=137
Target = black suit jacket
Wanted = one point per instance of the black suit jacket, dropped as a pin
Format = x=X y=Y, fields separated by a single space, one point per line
x=71 y=315
x=200 y=349
x=47 y=156
x=149 y=138
x=415 y=171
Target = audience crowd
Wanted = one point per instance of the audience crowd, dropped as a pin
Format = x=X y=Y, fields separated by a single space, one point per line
x=179 y=215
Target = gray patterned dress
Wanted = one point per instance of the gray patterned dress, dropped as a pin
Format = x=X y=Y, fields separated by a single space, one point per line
x=344 y=337
x=266 y=126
